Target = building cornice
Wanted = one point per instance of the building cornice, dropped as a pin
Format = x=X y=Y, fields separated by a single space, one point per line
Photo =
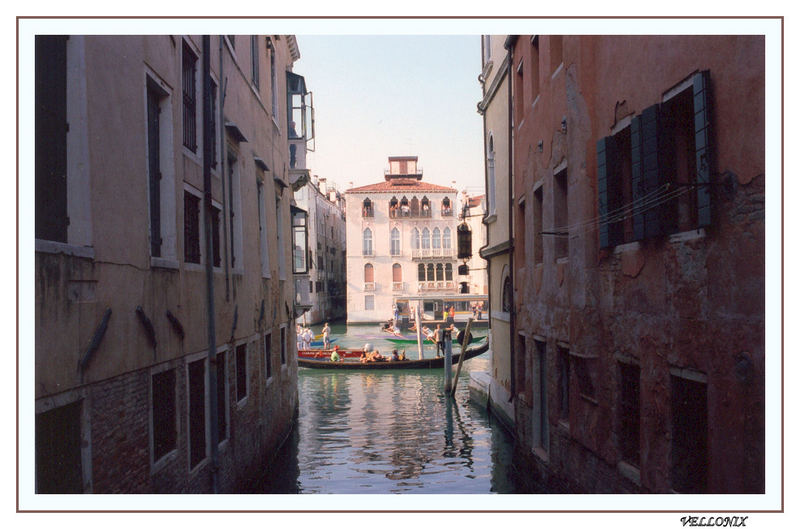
x=494 y=85
x=497 y=249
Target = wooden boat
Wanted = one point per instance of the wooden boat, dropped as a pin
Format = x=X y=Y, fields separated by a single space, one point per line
x=326 y=353
x=404 y=340
x=320 y=343
x=425 y=363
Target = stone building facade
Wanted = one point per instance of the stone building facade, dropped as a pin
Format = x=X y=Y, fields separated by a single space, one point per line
x=638 y=289
x=401 y=242
x=127 y=390
x=497 y=252
x=327 y=274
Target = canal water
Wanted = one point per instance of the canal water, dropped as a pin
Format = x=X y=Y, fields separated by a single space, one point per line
x=392 y=431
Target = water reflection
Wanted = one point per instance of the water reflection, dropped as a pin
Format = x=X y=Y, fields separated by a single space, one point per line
x=391 y=432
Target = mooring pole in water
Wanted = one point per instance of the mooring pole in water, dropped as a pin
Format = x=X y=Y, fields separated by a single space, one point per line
x=448 y=362
x=464 y=343
x=418 y=323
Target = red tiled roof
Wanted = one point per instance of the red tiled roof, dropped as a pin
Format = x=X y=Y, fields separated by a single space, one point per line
x=401 y=185
x=475 y=201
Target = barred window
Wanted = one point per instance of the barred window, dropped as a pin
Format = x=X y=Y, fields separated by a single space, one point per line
x=191 y=228
x=189 y=98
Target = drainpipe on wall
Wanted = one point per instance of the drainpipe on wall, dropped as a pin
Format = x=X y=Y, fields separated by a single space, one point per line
x=208 y=145
x=509 y=45
x=222 y=89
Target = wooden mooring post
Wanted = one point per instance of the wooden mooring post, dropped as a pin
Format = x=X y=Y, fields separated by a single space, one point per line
x=418 y=324
x=448 y=361
x=464 y=343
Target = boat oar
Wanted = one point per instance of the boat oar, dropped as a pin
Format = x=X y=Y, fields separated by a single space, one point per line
x=464 y=343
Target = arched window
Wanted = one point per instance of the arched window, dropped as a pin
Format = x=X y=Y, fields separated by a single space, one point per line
x=397 y=273
x=393 y=207
x=425 y=207
x=447 y=210
x=420 y=272
x=414 y=207
x=446 y=238
x=366 y=249
x=404 y=209
x=369 y=273
x=437 y=238
x=430 y=271
x=448 y=272
x=366 y=210
x=415 y=239
x=395 y=246
x=507 y=301
x=426 y=239
x=439 y=272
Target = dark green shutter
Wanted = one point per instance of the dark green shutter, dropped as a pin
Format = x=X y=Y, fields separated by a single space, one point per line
x=637 y=181
x=650 y=168
x=602 y=190
x=702 y=142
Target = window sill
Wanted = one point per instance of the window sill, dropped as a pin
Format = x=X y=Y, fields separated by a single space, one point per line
x=241 y=403
x=269 y=382
x=164 y=461
x=541 y=453
x=562 y=260
x=630 y=472
x=690 y=235
x=490 y=218
x=194 y=267
x=55 y=247
x=627 y=247
x=163 y=262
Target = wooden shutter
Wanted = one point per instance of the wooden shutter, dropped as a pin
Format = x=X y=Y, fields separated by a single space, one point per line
x=650 y=167
x=51 y=138
x=637 y=182
x=702 y=141
x=603 y=146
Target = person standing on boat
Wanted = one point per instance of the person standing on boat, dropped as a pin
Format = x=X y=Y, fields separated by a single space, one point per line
x=308 y=336
x=437 y=337
x=326 y=336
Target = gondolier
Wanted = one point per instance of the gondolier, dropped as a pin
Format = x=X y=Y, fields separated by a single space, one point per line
x=326 y=336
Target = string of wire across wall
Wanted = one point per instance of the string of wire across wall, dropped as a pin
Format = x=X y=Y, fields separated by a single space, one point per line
x=654 y=199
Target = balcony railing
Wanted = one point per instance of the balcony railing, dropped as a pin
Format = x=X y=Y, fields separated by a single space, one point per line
x=397 y=285
x=367 y=212
x=423 y=286
x=400 y=212
x=447 y=212
x=369 y=287
x=432 y=253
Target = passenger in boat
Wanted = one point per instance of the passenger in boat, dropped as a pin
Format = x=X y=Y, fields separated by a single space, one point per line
x=395 y=356
x=363 y=358
x=326 y=336
x=299 y=341
x=335 y=355
x=403 y=355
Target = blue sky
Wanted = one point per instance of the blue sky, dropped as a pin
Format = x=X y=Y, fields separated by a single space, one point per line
x=386 y=95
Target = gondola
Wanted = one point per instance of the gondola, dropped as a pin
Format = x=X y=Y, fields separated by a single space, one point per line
x=425 y=363
x=404 y=340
